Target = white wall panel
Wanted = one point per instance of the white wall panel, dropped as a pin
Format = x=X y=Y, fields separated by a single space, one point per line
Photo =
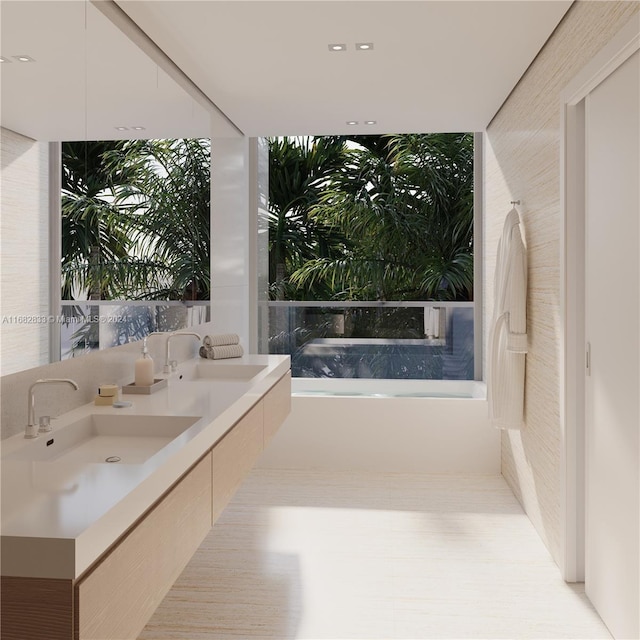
x=612 y=418
x=229 y=209
x=24 y=250
x=230 y=236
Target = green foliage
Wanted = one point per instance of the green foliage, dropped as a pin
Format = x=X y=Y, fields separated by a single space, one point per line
x=89 y=219
x=365 y=217
x=169 y=221
x=388 y=218
x=299 y=170
x=135 y=219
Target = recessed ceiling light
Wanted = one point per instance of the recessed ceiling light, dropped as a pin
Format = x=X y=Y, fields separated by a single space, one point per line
x=2 y=59
x=138 y=128
x=369 y=121
x=122 y=128
x=24 y=58
x=352 y=122
x=337 y=47
x=364 y=46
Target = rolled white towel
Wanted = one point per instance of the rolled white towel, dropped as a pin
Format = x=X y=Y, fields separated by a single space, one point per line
x=226 y=351
x=221 y=339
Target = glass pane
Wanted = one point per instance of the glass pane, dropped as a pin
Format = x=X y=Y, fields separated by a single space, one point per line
x=434 y=343
x=87 y=327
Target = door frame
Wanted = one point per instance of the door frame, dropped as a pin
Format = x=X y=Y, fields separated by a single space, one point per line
x=572 y=292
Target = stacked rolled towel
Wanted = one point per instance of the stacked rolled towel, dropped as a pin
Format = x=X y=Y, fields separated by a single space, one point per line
x=221 y=340
x=225 y=345
x=223 y=351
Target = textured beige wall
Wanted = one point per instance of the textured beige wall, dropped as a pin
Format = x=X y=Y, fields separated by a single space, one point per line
x=523 y=162
x=24 y=250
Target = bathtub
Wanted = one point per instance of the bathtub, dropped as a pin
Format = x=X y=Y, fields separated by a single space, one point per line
x=395 y=426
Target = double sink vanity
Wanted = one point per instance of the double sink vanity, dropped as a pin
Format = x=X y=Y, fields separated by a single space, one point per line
x=101 y=514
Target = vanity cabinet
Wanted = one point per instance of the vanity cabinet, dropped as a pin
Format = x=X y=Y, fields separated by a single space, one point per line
x=277 y=406
x=235 y=455
x=114 y=599
x=119 y=595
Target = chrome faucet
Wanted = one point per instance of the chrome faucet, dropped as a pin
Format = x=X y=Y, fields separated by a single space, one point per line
x=170 y=365
x=30 y=430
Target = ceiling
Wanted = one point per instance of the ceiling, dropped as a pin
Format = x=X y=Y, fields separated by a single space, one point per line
x=87 y=79
x=435 y=65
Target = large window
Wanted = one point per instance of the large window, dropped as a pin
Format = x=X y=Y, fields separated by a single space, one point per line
x=371 y=255
x=135 y=240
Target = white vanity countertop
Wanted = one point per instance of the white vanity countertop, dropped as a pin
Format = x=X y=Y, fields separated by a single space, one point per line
x=57 y=519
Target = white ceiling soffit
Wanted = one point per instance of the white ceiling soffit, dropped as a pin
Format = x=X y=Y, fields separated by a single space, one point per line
x=87 y=78
x=435 y=66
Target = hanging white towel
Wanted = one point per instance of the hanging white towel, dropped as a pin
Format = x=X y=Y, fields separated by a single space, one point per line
x=508 y=335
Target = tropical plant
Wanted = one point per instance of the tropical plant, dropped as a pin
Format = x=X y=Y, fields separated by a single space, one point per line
x=135 y=219
x=91 y=225
x=403 y=206
x=168 y=204
x=299 y=170
x=135 y=225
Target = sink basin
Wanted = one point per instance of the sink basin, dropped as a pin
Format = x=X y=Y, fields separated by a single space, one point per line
x=100 y=438
x=222 y=371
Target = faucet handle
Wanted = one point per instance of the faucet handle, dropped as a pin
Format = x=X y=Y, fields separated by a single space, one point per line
x=45 y=424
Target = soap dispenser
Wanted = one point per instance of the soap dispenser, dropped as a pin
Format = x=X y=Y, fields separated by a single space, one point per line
x=144 y=368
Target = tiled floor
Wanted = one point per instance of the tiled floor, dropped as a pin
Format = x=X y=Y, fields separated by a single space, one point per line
x=333 y=555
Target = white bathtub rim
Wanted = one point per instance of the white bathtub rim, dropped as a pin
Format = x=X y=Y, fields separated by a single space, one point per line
x=389 y=389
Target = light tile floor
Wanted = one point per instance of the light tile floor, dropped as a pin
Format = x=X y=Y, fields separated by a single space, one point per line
x=323 y=556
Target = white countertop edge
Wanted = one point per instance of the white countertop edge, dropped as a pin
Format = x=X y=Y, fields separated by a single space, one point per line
x=69 y=558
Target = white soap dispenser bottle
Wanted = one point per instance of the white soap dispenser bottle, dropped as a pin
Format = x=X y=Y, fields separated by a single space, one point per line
x=144 y=368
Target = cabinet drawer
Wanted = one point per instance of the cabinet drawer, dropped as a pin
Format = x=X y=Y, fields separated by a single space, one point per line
x=235 y=455
x=277 y=406
x=119 y=596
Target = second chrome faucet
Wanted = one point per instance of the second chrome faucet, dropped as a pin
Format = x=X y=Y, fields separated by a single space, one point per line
x=170 y=365
x=31 y=430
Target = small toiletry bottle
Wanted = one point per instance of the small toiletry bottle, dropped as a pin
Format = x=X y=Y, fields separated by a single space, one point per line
x=144 y=368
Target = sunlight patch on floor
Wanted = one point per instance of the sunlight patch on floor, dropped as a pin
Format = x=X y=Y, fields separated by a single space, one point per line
x=318 y=555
